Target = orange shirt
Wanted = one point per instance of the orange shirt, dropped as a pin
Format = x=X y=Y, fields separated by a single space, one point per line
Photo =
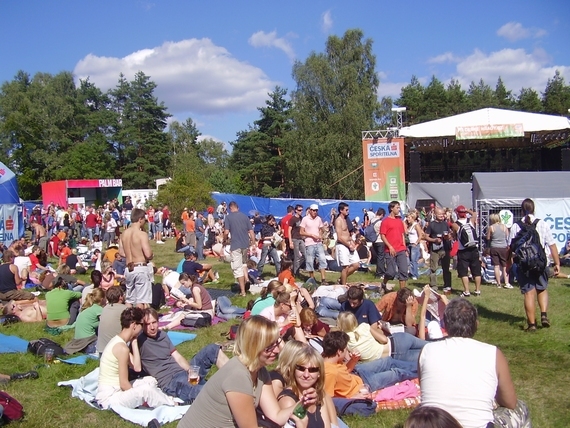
x=61 y=235
x=288 y=275
x=339 y=382
x=387 y=305
x=190 y=225
x=65 y=251
x=184 y=216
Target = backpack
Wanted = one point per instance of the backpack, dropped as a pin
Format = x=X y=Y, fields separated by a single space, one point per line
x=528 y=252
x=197 y=320
x=13 y=410
x=467 y=235
x=370 y=233
x=38 y=347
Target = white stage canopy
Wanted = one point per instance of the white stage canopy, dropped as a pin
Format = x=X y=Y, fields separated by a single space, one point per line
x=482 y=121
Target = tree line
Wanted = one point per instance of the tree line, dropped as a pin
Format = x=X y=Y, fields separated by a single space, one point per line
x=306 y=143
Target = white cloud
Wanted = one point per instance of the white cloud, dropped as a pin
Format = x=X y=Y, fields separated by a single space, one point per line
x=327 y=21
x=516 y=67
x=193 y=76
x=263 y=39
x=443 y=58
x=514 y=31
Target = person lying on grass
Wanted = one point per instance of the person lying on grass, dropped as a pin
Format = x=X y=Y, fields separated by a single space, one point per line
x=27 y=312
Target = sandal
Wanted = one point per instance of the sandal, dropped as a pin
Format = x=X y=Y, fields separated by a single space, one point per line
x=465 y=294
x=544 y=321
x=530 y=329
x=477 y=293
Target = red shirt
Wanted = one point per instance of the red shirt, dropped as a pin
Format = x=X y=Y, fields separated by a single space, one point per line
x=165 y=214
x=35 y=262
x=91 y=221
x=393 y=230
x=285 y=225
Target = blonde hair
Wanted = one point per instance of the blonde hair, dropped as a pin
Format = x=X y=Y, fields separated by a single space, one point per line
x=494 y=218
x=96 y=297
x=348 y=323
x=308 y=316
x=64 y=270
x=306 y=355
x=253 y=336
x=286 y=356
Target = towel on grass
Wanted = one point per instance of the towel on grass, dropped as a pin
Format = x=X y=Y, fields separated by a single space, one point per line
x=12 y=344
x=85 y=388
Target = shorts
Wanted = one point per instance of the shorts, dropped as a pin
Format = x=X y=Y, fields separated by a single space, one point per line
x=468 y=259
x=312 y=251
x=238 y=261
x=17 y=295
x=499 y=256
x=159 y=227
x=344 y=257
x=139 y=285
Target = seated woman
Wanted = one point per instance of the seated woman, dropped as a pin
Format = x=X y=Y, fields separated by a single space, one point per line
x=114 y=386
x=284 y=312
x=108 y=276
x=27 y=312
x=286 y=356
x=267 y=297
x=75 y=264
x=85 y=338
x=306 y=370
x=181 y=245
x=226 y=399
x=288 y=280
x=62 y=304
x=372 y=342
x=311 y=325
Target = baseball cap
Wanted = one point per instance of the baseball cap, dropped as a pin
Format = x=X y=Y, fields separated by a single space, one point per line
x=314 y=207
x=460 y=209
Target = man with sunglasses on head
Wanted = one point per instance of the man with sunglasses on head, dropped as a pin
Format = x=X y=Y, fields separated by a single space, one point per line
x=311 y=227
x=296 y=241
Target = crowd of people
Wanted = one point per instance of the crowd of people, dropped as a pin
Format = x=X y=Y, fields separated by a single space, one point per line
x=370 y=346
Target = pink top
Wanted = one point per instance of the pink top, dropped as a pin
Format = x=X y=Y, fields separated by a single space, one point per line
x=312 y=226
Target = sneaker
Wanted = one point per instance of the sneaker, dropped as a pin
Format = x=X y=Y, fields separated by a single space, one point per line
x=414 y=278
x=28 y=375
x=509 y=286
x=477 y=293
x=544 y=321
x=465 y=294
x=159 y=242
x=447 y=289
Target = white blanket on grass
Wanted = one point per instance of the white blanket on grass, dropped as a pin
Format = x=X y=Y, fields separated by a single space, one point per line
x=85 y=388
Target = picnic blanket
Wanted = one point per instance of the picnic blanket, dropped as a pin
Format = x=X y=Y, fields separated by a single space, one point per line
x=177 y=337
x=403 y=395
x=79 y=360
x=85 y=388
x=12 y=344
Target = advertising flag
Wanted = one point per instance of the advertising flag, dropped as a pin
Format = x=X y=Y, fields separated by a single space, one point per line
x=384 y=169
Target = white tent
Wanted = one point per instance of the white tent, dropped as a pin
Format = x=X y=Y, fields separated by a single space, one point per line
x=531 y=122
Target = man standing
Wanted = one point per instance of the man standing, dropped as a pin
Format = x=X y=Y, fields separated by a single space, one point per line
x=286 y=233
x=534 y=286
x=200 y=229
x=392 y=231
x=467 y=257
x=378 y=245
x=438 y=237
x=238 y=225
x=190 y=229
x=311 y=226
x=161 y=360
x=297 y=243
x=135 y=247
x=91 y=223
x=346 y=255
x=40 y=234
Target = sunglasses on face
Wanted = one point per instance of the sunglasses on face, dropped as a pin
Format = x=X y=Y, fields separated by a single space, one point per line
x=272 y=347
x=302 y=369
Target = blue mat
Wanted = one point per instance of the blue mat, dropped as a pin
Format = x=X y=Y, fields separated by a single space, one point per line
x=177 y=337
x=79 y=360
x=12 y=344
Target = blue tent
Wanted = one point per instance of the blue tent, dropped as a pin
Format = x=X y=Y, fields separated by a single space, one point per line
x=11 y=215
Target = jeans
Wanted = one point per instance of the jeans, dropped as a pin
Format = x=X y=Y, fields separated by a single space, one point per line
x=227 y=311
x=312 y=251
x=328 y=307
x=179 y=386
x=200 y=246
x=380 y=258
x=386 y=372
x=407 y=347
x=268 y=249
x=299 y=254
x=414 y=257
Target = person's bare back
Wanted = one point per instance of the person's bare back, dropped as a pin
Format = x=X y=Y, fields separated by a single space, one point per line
x=135 y=245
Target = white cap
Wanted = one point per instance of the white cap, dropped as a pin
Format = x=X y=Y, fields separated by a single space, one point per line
x=314 y=207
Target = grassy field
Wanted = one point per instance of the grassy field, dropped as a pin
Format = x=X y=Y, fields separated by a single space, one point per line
x=539 y=362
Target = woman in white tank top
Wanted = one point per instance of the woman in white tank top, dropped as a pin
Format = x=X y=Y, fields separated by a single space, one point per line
x=415 y=234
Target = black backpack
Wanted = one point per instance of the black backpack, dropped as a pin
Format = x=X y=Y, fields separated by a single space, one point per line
x=38 y=347
x=467 y=235
x=197 y=320
x=370 y=233
x=528 y=252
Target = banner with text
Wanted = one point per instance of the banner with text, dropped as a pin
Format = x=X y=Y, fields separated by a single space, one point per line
x=384 y=169
x=11 y=227
x=556 y=213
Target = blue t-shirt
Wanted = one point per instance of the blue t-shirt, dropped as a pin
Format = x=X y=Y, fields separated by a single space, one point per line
x=239 y=226
x=365 y=313
x=191 y=268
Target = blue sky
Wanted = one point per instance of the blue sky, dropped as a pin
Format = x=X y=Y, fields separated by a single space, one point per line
x=215 y=61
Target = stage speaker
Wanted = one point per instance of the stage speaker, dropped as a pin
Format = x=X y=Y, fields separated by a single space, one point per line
x=415 y=168
x=565 y=155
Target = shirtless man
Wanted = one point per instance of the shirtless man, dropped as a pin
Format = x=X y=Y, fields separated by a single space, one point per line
x=27 y=313
x=41 y=235
x=135 y=247
x=346 y=255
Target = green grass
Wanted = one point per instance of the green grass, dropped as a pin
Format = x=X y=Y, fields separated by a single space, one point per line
x=539 y=362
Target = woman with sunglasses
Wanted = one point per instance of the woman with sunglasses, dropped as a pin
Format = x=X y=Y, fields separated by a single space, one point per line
x=306 y=371
x=231 y=395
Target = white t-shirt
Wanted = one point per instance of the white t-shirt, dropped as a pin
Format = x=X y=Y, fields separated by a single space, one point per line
x=23 y=262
